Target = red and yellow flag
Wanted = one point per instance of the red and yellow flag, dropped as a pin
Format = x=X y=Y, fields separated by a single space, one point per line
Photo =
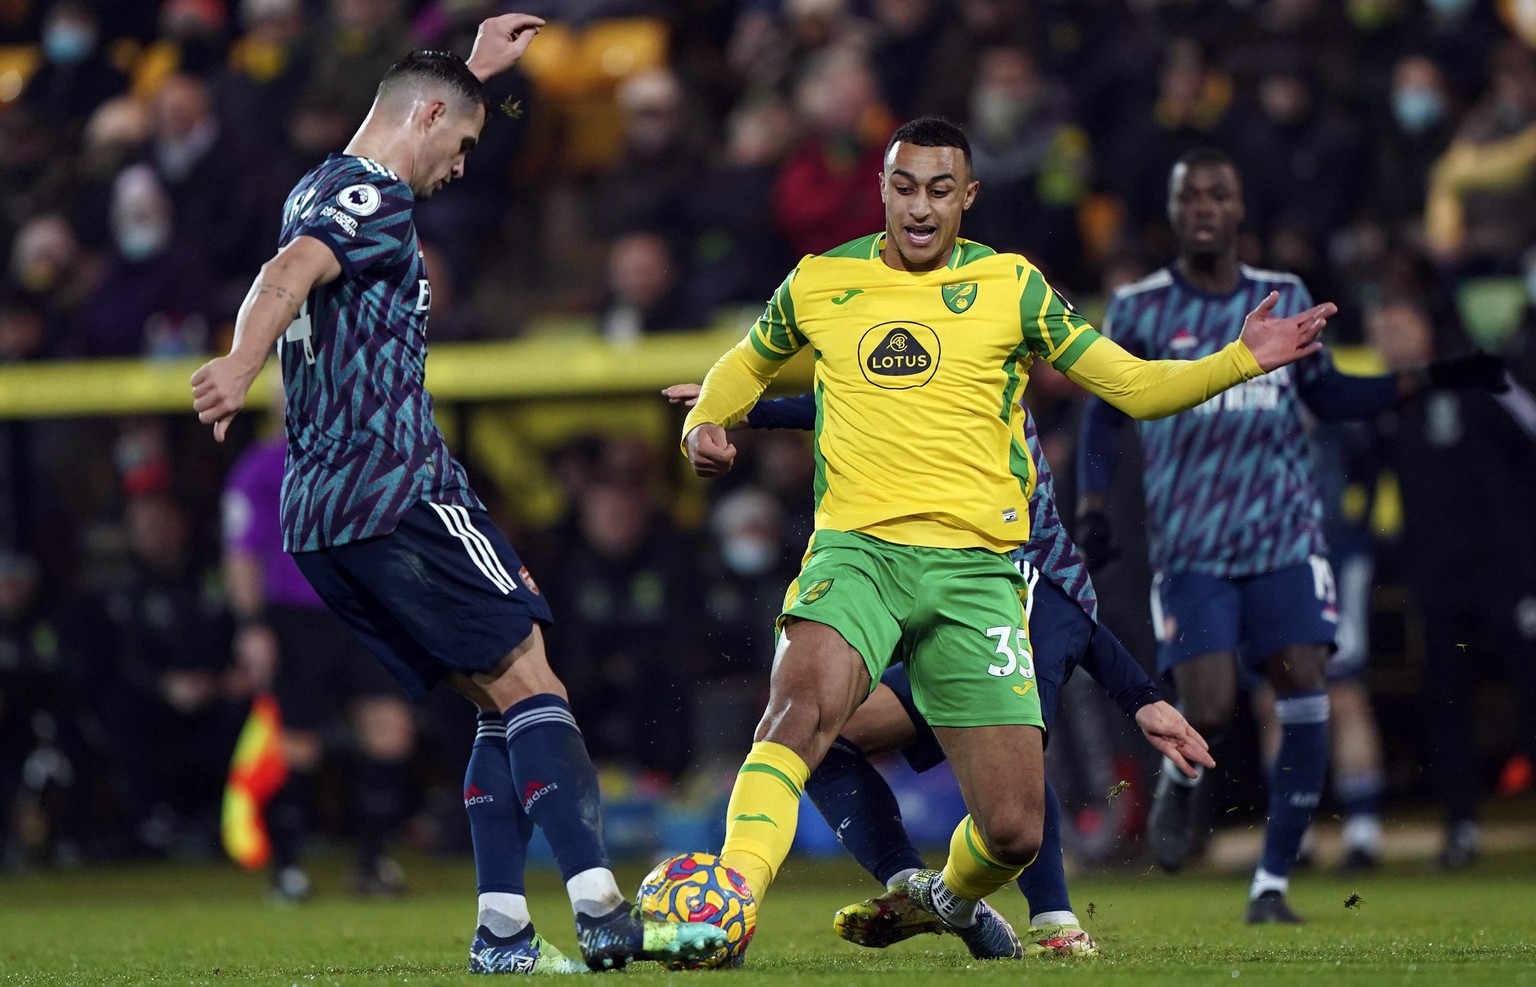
x=256 y=772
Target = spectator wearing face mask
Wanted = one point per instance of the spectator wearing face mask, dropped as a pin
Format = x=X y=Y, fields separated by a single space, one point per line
x=1033 y=162
x=1456 y=35
x=155 y=296
x=1414 y=133
x=753 y=564
x=742 y=580
x=75 y=76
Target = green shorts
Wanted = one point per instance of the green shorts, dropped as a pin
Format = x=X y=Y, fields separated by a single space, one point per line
x=955 y=616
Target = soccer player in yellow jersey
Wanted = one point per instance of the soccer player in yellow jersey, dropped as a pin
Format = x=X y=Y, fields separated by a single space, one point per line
x=922 y=343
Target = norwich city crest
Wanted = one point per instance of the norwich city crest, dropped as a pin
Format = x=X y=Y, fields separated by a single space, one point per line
x=816 y=592
x=899 y=355
x=959 y=297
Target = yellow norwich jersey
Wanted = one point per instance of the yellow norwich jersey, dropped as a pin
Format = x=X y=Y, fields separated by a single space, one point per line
x=919 y=434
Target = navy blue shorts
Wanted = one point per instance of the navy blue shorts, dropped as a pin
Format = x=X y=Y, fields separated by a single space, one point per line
x=1059 y=632
x=443 y=592
x=1254 y=617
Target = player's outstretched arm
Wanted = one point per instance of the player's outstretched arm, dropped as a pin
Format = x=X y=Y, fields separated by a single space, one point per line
x=500 y=42
x=1148 y=389
x=219 y=386
x=1166 y=730
x=1276 y=341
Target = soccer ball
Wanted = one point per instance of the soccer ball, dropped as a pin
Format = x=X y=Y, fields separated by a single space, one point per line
x=697 y=887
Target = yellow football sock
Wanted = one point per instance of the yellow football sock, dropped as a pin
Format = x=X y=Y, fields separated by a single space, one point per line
x=764 y=808
x=971 y=871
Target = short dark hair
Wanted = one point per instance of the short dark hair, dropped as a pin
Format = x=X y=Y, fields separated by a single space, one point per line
x=442 y=67
x=931 y=132
x=1206 y=156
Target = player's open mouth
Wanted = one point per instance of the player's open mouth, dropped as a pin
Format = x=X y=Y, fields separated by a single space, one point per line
x=1203 y=234
x=921 y=236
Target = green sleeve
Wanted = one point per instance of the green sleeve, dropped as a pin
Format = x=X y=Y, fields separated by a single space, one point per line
x=774 y=336
x=1053 y=330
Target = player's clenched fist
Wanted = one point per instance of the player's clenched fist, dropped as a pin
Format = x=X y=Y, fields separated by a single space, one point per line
x=709 y=452
x=218 y=391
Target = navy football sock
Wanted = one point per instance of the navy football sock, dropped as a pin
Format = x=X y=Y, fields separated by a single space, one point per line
x=1044 y=882
x=499 y=829
x=1296 y=781
x=855 y=801
x=556 y=782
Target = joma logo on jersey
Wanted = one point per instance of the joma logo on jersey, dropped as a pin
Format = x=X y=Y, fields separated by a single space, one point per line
x=959 y=297
x=899 y=355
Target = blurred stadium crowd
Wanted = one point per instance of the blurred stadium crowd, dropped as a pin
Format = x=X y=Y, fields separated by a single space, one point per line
x=667 y=163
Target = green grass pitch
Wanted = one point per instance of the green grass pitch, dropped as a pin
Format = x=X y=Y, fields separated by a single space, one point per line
x=210 y=925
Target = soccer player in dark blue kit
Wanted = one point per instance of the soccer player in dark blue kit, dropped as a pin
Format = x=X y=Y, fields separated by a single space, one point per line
x=1243 y=589
x=1062 y=611
x=382 y=521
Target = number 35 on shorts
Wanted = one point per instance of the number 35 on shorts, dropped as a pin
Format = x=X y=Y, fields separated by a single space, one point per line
x=1013 y=652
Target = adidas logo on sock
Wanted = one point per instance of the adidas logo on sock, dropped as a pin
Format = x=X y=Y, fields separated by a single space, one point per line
x=474 y=796
x=536 y=790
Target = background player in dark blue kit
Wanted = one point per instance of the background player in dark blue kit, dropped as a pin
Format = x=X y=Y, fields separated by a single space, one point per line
x=1062 y=611
x=1243 y=588
x=382 y=521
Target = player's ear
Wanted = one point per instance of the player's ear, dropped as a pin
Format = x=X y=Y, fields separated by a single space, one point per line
x=970 y=194
x=882 y=185
x=435 y=111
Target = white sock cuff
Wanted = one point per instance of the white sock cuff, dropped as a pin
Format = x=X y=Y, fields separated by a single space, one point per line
x=503 y=913
x=1363 y=832
x=1054 y=918
x=1306 y=707
x=594 y=892
x=1264 y=881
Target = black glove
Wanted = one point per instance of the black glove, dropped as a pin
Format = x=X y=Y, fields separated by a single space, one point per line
x=1477 y=369
x=1096 y=539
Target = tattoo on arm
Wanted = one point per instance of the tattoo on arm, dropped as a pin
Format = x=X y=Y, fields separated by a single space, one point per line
x=293 y=301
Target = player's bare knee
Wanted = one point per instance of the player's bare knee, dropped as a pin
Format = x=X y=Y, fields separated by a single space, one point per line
x=1298 y=669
